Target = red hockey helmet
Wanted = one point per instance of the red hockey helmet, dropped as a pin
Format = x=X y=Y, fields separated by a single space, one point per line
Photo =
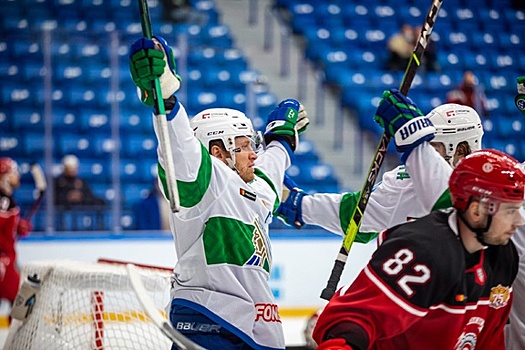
x=490 y=175
x=7 y=165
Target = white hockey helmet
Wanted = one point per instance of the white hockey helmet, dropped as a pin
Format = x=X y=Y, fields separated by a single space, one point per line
x=223 y=124
x=454 y=124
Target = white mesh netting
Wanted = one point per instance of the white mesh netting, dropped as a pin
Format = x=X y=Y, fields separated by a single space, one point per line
x=90 y=306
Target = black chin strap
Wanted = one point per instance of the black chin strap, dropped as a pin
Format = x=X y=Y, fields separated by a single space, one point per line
x=478 y=231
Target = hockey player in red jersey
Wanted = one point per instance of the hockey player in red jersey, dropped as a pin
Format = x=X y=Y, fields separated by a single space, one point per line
x=11 y=226
x=443 y=281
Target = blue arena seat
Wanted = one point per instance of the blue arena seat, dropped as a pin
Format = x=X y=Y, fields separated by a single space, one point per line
x=27 y=118
x=130 y=171
x=93 y=120
x=132 y=193
x=5 y=120
x=218 y=35
x=477 y=62
x=147 y=168
x=66 y=73
x=509 y=41
x=12 y=144
x=22 y=50
x=139 y=145
x=25 y=195
x=313 y=177
x=306 y=151
x=232 y=59
x=511 y=147
x=9 y=70
x=73 y=143
x=233 y=98
x=65 y=119
x=103 y=146
x=95 y=170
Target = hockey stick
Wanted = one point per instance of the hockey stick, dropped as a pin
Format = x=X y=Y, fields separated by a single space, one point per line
x=357 y=215
x=41 y=185
x=175 y=336
x=161 y=122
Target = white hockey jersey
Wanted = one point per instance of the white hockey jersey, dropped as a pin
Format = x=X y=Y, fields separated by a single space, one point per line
x=394 y=200
x=221 y=236
x=515 y=330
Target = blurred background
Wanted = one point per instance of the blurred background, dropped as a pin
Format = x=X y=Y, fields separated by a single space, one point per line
x=66 y=88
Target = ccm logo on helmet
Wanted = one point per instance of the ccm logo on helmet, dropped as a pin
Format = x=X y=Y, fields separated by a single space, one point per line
x=214 y=133
x=411 y=128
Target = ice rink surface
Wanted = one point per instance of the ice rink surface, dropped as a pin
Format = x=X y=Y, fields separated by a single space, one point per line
x=293 y=331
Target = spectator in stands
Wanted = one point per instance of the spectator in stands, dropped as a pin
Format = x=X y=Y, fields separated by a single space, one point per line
x=152 y=213
x=400 y=47
x=71 y=190
x=11 y=227
x=181 y=11
x=429 y=61
x=469 y=93
x=73 y=194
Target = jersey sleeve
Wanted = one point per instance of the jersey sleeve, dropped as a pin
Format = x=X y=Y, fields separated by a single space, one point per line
x=271 y=165
x=335 y=215
x=430 y=173
x=328 y=217
x=192 y=161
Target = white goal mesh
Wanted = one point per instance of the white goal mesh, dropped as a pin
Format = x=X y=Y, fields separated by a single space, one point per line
x=90 y=306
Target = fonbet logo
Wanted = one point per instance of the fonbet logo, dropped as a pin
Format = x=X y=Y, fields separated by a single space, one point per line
x=267 y=312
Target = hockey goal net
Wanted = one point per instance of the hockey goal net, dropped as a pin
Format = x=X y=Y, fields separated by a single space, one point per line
x=90 y=306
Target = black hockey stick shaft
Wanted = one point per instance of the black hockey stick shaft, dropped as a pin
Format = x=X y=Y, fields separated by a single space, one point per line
x=379 y=156
x=160 y=119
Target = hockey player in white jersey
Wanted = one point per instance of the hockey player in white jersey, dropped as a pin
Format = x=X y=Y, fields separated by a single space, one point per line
x=515 y=330
x=220 y=294
x=397 y=198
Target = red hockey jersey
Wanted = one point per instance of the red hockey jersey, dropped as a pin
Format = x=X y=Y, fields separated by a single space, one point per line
x=423 y=290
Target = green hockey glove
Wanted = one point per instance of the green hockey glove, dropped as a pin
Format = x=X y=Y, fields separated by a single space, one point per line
x=151 y=59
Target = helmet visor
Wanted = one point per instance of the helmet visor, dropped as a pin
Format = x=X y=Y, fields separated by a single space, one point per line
x=249 y=143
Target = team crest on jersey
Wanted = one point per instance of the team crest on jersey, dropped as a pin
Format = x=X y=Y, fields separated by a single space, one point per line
x=499 y=296
x=467 y=340
x=261 y=256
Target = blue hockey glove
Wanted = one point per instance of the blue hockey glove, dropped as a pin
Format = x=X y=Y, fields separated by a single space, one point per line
x=519 y=100
x=151 y=59
x=404 y=121
x=281 y=125
x=290 y=211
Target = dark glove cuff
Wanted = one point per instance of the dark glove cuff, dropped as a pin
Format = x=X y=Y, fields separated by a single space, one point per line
x=290 y=140
x=169 y=104
x=354 y=335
